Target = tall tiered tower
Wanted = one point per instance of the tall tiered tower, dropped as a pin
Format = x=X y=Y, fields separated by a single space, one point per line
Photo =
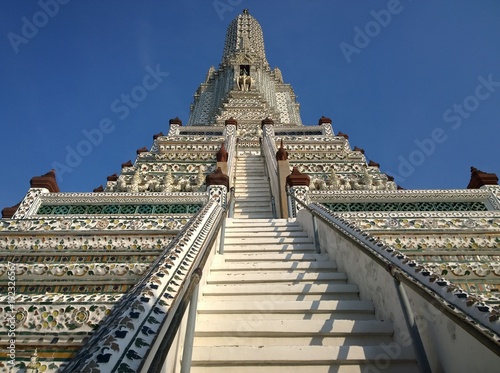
x=244 y=87
x=305 y=256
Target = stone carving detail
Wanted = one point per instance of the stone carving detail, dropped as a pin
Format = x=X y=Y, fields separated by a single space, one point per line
x=142 y=181
x=32 y=271
x=122 y=198
x=92 y=223
x=85 y=244
x=29 y=203
x=366 y=181
x=301 y=193
x=381 y=223
x=278 y=75
x=244 y=33
x=71 y=316
x=245 y=82
x=282 y=99
x=454 y=243
x=454 y=195
x=218 y=194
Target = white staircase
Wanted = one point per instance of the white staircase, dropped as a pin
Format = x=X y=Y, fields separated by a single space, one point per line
x=272 y=304
x=252 y=192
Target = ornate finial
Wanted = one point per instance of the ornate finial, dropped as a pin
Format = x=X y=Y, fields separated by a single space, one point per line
x=297 y=178
x=142 y=150
x=46 y=181
x=217 y=178
x=356 y=149
x=479 y=178
x=127 y=164
x=281 y=154
x=344 y=135
x=222 y=154
x=175 y=120
x=113 y=177
x=155 y=136
x=267 y=121
x=8 y=212
x=231 y=121
x=245 y=11
x=324 y=120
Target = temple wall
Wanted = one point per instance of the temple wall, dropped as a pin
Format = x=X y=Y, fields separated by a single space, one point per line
x=448 y=346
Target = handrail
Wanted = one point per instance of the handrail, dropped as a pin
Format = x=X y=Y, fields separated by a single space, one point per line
x=193 y=277
x=374 y=248
x=271 y=166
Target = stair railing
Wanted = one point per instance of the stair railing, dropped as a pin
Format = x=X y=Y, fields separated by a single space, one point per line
x=153 y=309
x=269 y=151
x=433 y=289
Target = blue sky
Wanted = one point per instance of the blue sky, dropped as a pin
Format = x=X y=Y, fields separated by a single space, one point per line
x=414 y=83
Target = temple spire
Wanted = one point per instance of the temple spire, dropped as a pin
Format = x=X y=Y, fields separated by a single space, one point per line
x=244 y=35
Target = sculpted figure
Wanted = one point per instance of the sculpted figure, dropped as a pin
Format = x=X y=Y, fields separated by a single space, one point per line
x=244 y=82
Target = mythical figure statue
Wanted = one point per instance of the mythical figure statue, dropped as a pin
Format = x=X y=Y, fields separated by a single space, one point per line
x=244 y=82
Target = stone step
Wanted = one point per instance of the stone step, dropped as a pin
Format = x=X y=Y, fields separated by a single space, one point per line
x=248 y=199
x=230 y=277
x=250 y=174
x=326 y=265
x=244 y=192
x=254 y=208
x=253 y=203
x=279 y=290
x=252 y=183
x=251 y=195
x=273 y=257
x=259 y=233
x=262 y=222
x=286 y=359
x=253 y=190
x=253 y=215
x=231 y=227
x=394 y=367
x=335 y=340
x=267 y=240
x=285 y=308
x=281 y=248
x=294 y=328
